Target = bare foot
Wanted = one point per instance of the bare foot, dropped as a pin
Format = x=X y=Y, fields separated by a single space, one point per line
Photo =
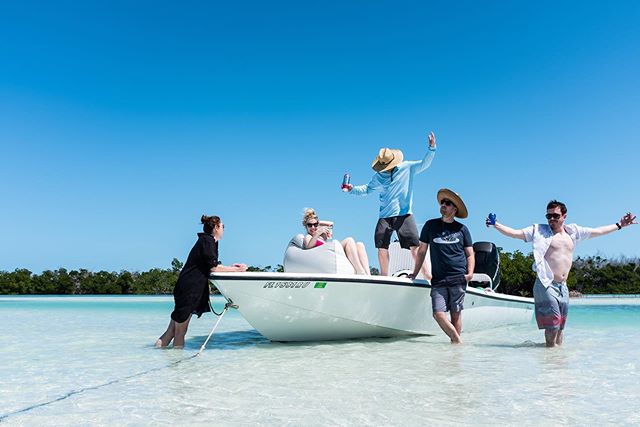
x=159 y=343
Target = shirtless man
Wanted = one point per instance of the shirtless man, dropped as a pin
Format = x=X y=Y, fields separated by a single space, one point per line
x=553 y=246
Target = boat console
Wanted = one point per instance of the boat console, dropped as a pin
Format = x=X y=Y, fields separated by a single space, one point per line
x=487 y=270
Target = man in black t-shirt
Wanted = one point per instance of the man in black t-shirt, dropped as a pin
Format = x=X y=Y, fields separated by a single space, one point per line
x=452 y=262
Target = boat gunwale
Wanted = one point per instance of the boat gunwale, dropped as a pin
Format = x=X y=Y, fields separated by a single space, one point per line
x=357 y=279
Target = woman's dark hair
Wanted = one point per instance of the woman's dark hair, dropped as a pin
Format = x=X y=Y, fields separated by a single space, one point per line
x=209 y=223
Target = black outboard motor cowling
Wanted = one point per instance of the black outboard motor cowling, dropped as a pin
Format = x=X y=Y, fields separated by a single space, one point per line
x=487 y=262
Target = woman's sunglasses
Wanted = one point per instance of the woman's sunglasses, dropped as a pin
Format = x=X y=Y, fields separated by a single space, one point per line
x=312 y=224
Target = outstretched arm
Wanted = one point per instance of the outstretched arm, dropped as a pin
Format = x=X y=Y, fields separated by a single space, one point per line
x=625 y=221
x=363 y=190
x=507 y=231
x=229 y=268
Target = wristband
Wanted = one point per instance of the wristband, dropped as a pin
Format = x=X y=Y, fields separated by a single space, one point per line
x=619 y=226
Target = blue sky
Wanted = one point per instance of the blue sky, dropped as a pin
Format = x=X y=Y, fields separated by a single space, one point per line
x=122 y=122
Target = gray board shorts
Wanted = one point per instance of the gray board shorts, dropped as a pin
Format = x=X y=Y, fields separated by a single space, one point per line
x=552 y=305
x=448 y=294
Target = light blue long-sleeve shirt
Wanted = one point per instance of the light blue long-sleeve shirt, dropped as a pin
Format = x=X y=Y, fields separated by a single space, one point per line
x=396 y=186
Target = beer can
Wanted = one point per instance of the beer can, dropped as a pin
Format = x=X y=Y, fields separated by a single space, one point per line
x=492 y=219
x=346 y=180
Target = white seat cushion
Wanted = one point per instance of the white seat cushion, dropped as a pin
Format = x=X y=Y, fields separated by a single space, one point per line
x=328 y=258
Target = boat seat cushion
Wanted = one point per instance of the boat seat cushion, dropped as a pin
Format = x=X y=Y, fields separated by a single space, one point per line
x=328 y=258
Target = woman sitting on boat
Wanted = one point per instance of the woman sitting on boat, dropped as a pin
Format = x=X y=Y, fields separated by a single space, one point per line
x=191 y=293
x=318 y=232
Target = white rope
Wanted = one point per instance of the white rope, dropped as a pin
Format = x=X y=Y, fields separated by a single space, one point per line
x=3 y=417
x=226 y=307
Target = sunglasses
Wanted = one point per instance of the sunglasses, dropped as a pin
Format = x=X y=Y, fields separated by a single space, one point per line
x=312 y=224
x=553 y=216
x=446 y=202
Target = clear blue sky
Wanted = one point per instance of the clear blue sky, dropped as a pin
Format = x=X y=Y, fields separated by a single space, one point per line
x=122 y=122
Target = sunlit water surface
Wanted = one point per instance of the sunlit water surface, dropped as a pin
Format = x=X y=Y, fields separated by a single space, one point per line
x=90 y=361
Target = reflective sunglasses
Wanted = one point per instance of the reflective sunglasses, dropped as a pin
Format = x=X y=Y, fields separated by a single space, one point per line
x=446 y=202
x=553 y=216
x=312 y=224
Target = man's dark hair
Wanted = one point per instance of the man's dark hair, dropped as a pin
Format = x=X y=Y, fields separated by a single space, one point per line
x=556 y=204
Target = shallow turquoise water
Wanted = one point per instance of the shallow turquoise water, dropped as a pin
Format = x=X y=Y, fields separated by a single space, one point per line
x=91 y=361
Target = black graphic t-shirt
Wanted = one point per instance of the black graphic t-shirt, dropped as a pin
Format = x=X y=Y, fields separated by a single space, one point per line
x=447 y=242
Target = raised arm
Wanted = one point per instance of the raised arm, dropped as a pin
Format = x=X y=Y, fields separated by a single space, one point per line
x=625 y=221
x=428 y=158
x=503 y=229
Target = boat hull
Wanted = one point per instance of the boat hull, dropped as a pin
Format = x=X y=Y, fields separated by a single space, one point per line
x=316 y=307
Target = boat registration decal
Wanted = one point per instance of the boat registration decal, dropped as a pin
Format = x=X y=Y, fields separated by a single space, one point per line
x=320 y=285
x=286 y=284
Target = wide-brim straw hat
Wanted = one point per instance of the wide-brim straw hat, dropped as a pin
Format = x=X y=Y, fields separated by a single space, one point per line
x=445 y=193
x=387 y=159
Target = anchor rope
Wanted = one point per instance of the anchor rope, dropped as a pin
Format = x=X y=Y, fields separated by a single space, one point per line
x=228 y=305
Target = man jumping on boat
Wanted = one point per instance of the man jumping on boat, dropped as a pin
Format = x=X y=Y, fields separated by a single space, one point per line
x=553 y=246
x=394 y=180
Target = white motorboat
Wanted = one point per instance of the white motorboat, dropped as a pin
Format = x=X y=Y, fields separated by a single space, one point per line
x=302 y=306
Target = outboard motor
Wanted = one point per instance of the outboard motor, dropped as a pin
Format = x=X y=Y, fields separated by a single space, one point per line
x=487 y=270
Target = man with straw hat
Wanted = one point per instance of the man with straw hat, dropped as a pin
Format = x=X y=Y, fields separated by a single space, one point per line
x=394 y=180
x=452 y=262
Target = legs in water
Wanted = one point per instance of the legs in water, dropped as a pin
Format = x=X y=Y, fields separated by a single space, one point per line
x=181 y=331
x=447 y=326
x=168 y=335
x=553 y=337
x=176 y=332
x=456 y=321
x=351 y=250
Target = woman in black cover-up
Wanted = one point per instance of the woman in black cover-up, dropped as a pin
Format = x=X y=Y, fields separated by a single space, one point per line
x=191 y=293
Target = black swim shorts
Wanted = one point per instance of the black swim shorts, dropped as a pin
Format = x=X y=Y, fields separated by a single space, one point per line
x=404 y=226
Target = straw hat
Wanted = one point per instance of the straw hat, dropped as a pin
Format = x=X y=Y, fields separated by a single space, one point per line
x=387 y=159
x=445 y=193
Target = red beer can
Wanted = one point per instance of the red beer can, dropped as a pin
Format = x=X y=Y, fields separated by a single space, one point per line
x=346 y=180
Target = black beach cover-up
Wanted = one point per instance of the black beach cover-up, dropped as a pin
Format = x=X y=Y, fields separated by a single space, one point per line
x=191 y=293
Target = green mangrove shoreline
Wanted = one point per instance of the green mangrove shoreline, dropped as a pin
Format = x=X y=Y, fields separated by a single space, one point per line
x=590 y=275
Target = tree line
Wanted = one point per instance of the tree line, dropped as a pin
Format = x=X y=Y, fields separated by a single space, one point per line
x=590 y=275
